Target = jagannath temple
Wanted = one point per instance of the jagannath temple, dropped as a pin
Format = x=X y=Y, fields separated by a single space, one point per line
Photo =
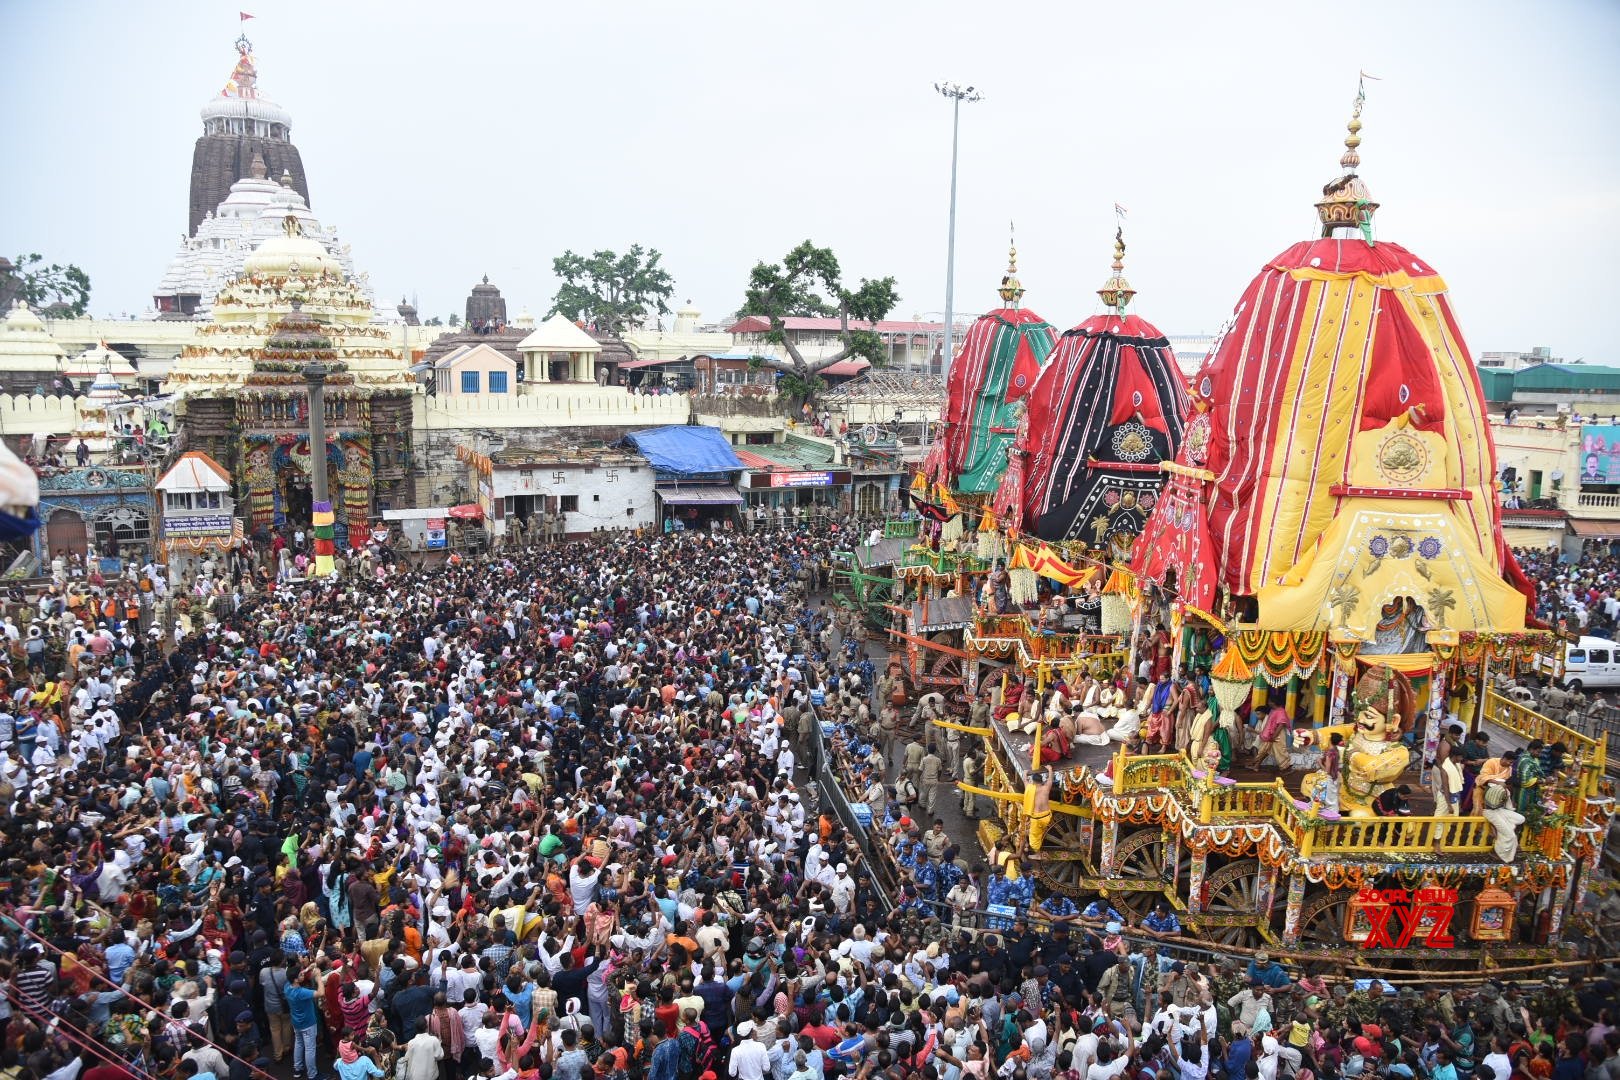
x=1304 y=591
x=243 y=397
x=239 y=125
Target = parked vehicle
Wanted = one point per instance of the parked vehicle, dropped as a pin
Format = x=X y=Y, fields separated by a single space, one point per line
x=1591 y=663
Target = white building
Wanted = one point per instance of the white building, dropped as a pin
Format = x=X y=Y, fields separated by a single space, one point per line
x=1515 y=361
x=571 y=493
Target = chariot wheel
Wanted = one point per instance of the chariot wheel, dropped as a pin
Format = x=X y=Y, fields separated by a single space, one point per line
x=1141 y=857
x=1233 y=892
x=948 y=666
x=1321 y=921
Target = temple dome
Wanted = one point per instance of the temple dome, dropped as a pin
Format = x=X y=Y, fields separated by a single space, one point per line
x=291 y=254
x=255 y=108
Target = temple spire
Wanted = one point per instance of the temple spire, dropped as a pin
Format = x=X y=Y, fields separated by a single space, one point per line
x=1012 y=290
x=1116 y=291
x=1346 y=203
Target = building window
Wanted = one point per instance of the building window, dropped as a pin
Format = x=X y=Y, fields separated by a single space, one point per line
x=570 y=504
x=469 y=382
x=177 y=500
x=596 y=498
x=497 y=382
x=121 y=528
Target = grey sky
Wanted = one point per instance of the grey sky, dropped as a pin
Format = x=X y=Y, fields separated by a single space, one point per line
x=450 y=140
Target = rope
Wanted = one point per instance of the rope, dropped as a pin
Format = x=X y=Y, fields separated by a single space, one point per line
x=139 y=1001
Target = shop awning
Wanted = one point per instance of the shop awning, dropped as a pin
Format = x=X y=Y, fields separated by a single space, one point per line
x=467 y=512
x=700 y=496
x=1593 y=529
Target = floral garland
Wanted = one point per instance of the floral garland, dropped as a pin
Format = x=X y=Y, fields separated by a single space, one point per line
x=1534 y=874
x=1280 y=655
x=1136 y=809
x=1235 y=840
x=1476 y=645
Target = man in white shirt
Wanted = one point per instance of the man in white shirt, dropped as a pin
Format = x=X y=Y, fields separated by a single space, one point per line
x=750 y=1060
x=1111 y=1060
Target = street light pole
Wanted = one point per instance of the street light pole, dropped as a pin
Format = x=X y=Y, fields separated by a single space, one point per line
x=957 y=94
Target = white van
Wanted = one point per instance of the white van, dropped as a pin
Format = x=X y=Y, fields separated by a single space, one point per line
x=1591 y=664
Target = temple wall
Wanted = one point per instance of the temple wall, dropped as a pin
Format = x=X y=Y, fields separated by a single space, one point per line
x=38 y=414
x=556 y=406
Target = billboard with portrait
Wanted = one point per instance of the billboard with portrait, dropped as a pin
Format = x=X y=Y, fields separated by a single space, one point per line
x=1600 y=454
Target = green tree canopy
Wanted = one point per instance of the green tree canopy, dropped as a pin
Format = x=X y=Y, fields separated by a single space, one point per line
x=611 y=291
x=808 y=282
x=59 y=291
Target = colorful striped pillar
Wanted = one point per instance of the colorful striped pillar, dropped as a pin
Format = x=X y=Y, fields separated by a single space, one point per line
x=323 y=519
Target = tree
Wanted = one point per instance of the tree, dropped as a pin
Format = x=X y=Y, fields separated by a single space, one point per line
x=611 y=291
x=808 y=282
x=455 y=320
x=434 y=321
x=58 y=291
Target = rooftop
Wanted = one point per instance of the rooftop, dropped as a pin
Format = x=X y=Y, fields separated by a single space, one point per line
x=759 y=324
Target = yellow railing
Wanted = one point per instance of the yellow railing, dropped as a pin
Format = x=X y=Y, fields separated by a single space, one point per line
x=1392 y=836
x=1147 y=772
x=1241 y=802
x=1592 y=754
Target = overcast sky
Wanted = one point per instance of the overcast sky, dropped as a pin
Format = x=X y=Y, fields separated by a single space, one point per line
x=449 y=140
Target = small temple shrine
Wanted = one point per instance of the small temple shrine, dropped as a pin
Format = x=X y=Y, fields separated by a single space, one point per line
x=243 y=397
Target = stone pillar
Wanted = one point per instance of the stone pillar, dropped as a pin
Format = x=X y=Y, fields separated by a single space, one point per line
x=540 y=365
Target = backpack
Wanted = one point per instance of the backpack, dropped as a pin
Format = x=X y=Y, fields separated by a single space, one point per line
x=697 y=1054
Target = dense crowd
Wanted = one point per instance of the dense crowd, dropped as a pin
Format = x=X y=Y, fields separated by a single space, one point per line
x=548 y=815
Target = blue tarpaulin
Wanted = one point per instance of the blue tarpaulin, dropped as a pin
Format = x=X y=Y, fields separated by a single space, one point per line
x=685 y=450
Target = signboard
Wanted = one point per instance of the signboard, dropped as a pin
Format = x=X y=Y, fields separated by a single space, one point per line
x=435 y=533
x=801 y=479
x=785 y=479
x=1600 y=454
x=197 y=525
x=1392 y=918
x=379 y=533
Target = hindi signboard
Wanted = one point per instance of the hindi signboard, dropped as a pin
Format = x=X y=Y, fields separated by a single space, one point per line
x=189 y=525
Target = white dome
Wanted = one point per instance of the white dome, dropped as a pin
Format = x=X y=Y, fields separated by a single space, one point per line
x=247 y=197
x=255 y=108
x=282 y=256
x=22 y=320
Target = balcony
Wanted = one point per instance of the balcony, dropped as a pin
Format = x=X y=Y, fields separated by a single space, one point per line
x=1598 y=500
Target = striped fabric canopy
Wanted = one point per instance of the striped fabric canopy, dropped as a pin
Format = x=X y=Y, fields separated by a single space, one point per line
x=1106 y=410
x=1335 y=337
x=1002 y=349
